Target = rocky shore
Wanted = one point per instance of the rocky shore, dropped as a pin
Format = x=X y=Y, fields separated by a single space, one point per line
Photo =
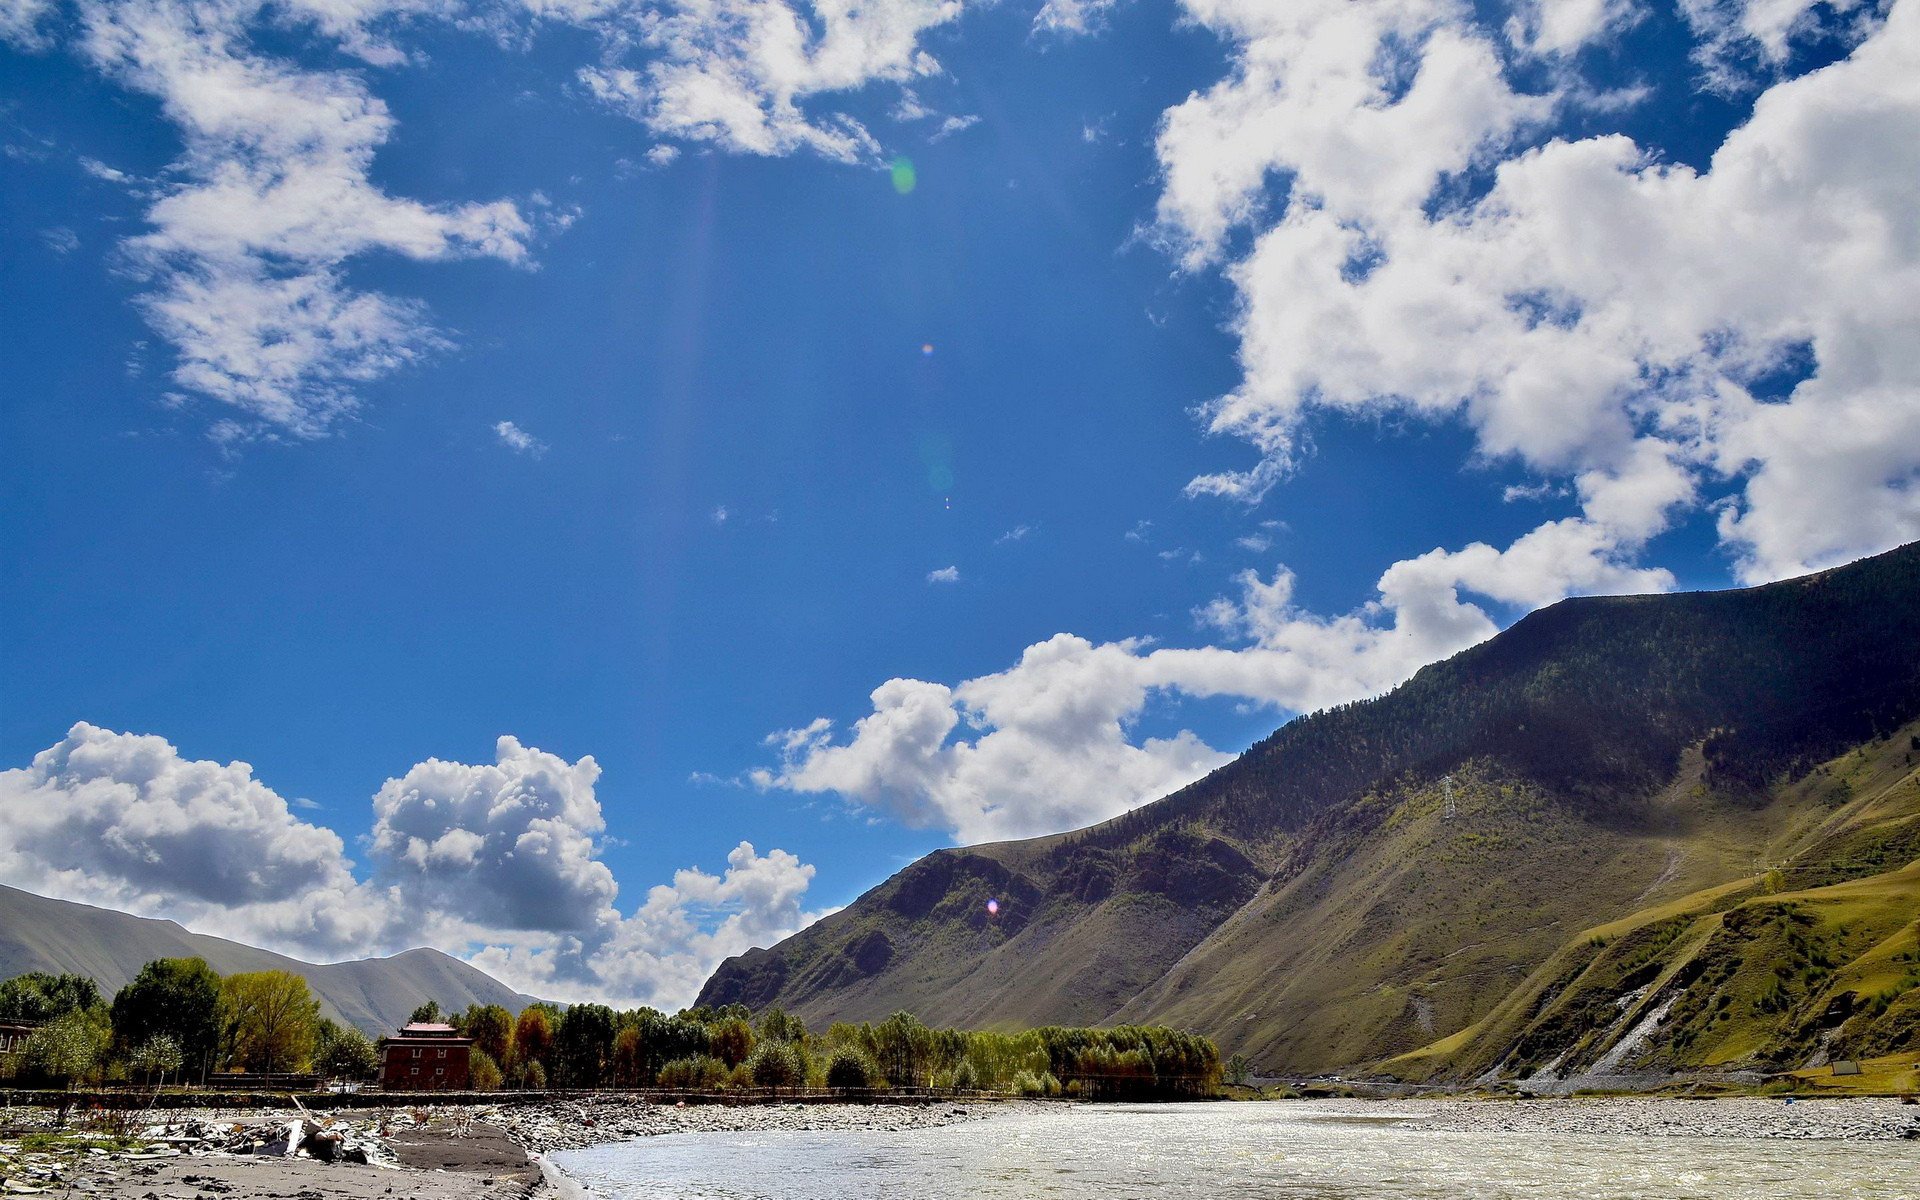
x=544 y=1128
x=1864 y=1120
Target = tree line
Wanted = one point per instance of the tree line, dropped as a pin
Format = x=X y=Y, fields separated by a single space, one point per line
x=180 y=1021
x=177 y=1021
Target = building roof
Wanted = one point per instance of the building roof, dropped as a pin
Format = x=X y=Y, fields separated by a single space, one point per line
x=426 y=1029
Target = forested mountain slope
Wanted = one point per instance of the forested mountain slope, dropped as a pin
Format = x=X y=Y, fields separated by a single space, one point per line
x=374 y=994
x=1310 y=904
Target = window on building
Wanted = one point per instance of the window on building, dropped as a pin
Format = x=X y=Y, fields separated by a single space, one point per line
x=416 y=1052
x=443 y=1054
x=413 y=1071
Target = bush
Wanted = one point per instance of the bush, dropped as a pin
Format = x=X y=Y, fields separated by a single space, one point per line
x=702 y=1072
x=777 y=1065
x=849 y=1068
x=483 y=1071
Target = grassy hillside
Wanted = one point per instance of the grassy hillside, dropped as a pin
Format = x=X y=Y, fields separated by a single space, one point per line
x=374 y=994
x=1311 y=906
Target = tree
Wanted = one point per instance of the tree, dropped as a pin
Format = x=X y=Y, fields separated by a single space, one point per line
x=583 y=1045
x=69 y=1047
x=491 y=1028
x=778 y=1026
x=343 y=1052
x=777 y=1065
x=533 y=1038
x=903 y=1047
x=177 y=998
x=850 y=1068
x=271 y=1019
x=1238 y=1070
x=483 y=1071
x=427 y=1014
x=730 y=1040
x=38 y=997
x=158 y=1056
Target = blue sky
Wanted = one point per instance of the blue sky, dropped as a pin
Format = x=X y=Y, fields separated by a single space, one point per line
x=645 y=426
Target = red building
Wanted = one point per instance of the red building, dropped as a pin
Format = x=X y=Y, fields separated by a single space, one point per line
x=425 y=1058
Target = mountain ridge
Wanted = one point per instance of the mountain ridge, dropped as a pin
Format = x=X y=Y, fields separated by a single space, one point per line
x=1309 y=904
x=41 y=933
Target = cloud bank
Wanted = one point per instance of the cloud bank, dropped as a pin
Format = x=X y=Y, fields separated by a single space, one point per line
x=498 y=863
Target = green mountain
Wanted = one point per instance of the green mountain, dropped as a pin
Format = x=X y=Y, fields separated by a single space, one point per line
x=373 y=994
x=1657 y=803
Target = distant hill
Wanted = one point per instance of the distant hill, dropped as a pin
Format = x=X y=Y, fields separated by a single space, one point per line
x=374 y=994
x=1697 y=806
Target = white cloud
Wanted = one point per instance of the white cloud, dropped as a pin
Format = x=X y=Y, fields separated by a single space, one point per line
x=20 y=20
x=519 y=440
x=663 y=155
x=944 y=575
x=124 y=821
x=1072 y=17
x=103 y=172
x=1599 y=315
x=1546 y=27
x=953 y=125
x=500 y=863
x=1018 y=533
x=742 y=73
x=60 y=239
x=1732 y=32
x=246 y=251
x=1048 y=744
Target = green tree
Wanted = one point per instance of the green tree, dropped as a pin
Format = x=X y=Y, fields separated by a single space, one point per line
x=903 y=1048
x=156 y=1058
x=777 y=1025
x=483 y=1071
x=730 y=1040
x=1238 y=1070
x=700 y=1073
x=777 y=1065
x=271 y=1019
x=427 y=1014
x=69 y=1048
x=583 y=1045
x=343 y=1052
x=177 y=998
x=849 y=1067
x=38 y=997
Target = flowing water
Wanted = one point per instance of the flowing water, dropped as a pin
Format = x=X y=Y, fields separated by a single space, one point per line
x=1213 y=1150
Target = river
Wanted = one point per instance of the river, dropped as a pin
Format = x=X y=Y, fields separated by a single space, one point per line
x=1213 y=1150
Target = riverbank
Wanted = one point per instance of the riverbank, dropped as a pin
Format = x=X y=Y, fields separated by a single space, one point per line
x=497 y=1152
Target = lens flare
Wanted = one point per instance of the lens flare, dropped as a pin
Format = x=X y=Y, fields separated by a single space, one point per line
x=904 y=176
x=993 y=908
x=926 y=348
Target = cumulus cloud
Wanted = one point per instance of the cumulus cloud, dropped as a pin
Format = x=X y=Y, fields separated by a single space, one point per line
x=1604 y=317
x=1050 y=744
x=123 y=821
x=944 y=575
x=519 y=440
x=499 y=863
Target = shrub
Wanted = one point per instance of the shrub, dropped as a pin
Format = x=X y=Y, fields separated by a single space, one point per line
x=702 y=1072
x=849 y=1068
x=777 y=1065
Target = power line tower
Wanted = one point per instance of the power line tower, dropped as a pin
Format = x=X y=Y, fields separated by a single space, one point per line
x=1452 y=810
